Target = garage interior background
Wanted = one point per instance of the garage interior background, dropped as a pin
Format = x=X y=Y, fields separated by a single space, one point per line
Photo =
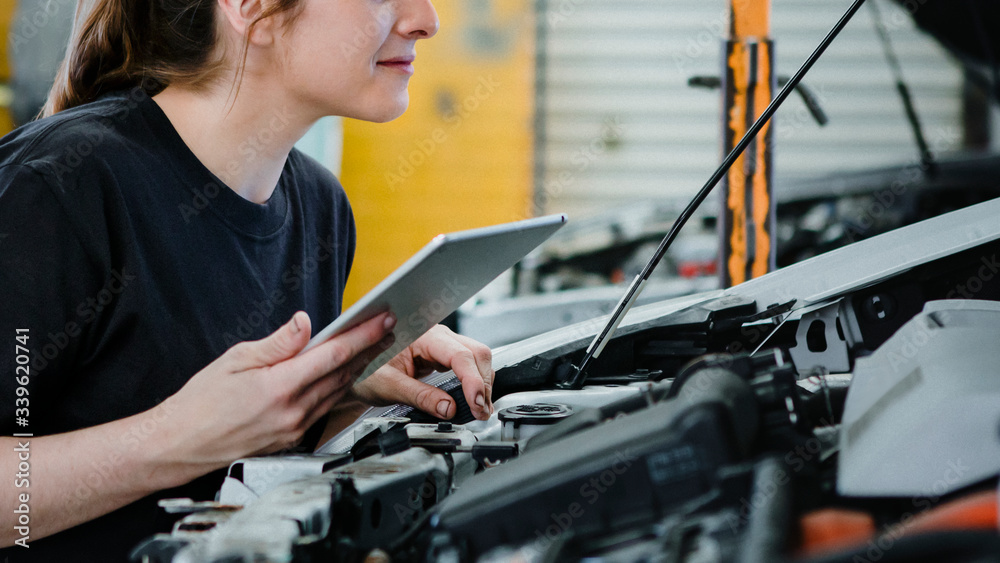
x=522 y=107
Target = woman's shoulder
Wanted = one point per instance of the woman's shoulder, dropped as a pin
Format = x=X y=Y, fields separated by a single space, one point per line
x=60 y=166
x=73 y=138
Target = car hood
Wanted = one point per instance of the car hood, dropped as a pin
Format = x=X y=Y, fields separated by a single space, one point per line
x=967 y=28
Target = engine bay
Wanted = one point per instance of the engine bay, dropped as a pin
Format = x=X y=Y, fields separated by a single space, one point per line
x=844 y=408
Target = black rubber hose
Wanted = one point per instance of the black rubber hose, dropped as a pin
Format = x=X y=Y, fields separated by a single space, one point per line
x=766 y=535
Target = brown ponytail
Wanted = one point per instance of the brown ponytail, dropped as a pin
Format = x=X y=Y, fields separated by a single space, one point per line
x=121 y=44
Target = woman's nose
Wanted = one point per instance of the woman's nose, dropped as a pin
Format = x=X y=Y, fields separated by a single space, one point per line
x=418 y=19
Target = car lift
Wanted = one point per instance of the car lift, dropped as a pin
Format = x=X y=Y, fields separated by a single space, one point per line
x=747 y=216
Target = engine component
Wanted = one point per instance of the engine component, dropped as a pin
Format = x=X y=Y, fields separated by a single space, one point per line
x=826 y=333
x=341 y=514
x=249 y=478
x=922 y=412
x=524 y=421
x=630 y=470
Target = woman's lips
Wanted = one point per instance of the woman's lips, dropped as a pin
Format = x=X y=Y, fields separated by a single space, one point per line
x=402 y=65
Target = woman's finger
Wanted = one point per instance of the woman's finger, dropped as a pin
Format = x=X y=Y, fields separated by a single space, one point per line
x=338 y=351
x=323 y=387
x=357 y=365
x=274 y=348
x=484 y=359
x=395 y=386
x=316 y=393
x=439 y=345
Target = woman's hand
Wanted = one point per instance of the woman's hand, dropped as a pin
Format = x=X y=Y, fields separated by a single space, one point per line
x=439 y=349
x=259 y=397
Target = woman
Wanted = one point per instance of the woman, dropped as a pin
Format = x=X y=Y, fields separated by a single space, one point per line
x=158 y=215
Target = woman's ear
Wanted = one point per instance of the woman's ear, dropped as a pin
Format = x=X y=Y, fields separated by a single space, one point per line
x=239 y=14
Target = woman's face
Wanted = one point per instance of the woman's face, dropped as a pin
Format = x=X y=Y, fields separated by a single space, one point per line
x=353 y=57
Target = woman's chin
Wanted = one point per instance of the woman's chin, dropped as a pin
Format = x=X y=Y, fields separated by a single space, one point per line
x=383 y=112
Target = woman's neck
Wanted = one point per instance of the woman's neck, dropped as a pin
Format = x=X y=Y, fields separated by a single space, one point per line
x=244 y=141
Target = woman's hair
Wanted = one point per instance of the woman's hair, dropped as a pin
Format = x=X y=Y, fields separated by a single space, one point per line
x=121 y=44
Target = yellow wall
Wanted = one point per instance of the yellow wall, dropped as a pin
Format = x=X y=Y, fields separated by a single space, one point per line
x=7 y=8
x=461 y=156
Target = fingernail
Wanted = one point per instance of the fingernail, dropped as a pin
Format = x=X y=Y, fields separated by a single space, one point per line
x=390 y=321
x=480 y=402
x=443 y=407
x=295 y=324
x=387 y=341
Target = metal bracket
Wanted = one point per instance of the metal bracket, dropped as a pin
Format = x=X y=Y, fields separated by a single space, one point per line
x=823 y=341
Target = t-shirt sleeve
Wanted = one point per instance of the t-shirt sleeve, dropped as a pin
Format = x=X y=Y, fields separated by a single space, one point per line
x=51 y=284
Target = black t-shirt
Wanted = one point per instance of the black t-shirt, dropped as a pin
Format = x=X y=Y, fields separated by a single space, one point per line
x=132 y=267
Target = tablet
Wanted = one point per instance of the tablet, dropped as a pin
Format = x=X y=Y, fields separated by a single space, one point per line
x=439 y=278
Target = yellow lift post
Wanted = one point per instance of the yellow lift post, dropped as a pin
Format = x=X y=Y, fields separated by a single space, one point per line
x=7 y=10
x=747 y=217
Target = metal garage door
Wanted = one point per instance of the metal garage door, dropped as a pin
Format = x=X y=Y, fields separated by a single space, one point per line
x=618 y=122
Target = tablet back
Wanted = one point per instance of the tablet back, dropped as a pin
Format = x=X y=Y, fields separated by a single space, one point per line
x=439 y=278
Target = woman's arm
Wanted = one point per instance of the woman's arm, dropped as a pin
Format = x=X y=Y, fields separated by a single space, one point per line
x=257 y=398
x=78 y=476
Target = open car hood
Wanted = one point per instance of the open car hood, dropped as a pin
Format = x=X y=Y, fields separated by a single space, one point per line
x=967 y=28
